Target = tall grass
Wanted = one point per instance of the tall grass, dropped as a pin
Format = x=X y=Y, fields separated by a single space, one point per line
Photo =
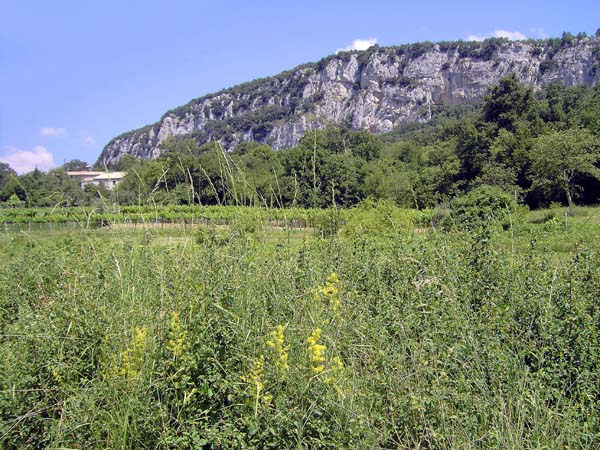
x=173 y=338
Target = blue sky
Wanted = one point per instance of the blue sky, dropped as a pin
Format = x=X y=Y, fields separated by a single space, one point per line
x=74 y=74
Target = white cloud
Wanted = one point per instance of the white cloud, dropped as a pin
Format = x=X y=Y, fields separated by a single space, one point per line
x=539 y=32
x=88 y=139
x=23 y=161
x=474 y=37
x=49 y=131
x=358 y=44
x=512 y=35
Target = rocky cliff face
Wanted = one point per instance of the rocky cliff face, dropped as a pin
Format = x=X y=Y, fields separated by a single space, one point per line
x=376 y=90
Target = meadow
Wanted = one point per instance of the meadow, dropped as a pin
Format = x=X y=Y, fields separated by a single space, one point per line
x=366 y=328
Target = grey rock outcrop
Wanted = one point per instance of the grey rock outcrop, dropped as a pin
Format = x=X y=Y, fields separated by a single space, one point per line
x=376 y=90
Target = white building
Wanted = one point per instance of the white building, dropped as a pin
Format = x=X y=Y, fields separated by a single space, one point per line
x=95 y=178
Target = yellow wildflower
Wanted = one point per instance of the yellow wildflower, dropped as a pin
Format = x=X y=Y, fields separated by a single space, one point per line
x=256 y=372
x=331 y=291
x=337 y=363
x=282 y=352
x=316 y=297
x=337 y=366
x=333 y=278
x=132 y=358
x=255 y=380
x=316 y=351
x=177 y=336
x=56 y=375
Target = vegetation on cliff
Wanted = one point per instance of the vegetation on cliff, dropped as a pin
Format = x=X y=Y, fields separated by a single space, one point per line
x=375 y=89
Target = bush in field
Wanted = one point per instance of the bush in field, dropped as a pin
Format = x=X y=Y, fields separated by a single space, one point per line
x=381 y=217
x=326 y=222
x=248 y=223
x=483 y=205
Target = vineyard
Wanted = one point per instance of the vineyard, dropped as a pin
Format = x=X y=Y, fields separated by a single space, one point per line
x=371 y=327
x=147 y=214
x=320 y=220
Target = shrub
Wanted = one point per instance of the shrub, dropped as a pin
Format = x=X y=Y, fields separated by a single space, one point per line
x=482 y=206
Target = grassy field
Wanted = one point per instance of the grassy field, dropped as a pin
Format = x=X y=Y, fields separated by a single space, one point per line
x=373 y=332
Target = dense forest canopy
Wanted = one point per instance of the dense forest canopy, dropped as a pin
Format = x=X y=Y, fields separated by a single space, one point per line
x=540 y=147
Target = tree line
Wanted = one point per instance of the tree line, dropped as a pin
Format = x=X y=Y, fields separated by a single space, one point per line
x=538 y=147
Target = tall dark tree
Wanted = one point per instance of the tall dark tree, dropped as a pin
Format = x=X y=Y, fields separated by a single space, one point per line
x=591 y=113
x=508 y=102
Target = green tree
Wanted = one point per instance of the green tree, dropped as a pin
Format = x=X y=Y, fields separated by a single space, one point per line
x=14 y=201
x=6 y=173
x=561 y=106
x=140 y=183
x=327 y=164
x=257 y=171
x=558 y=158
x=508 y=162
x=62 y=188
x=76 y=164
x=472 y=149
x=126 y=162
x=509 y=102
x=389 y=180
x=591 y=113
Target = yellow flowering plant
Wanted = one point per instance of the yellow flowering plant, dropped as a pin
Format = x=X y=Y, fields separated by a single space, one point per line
x=316 y=351
x=255 y=381
x=130 y=361
x=330 y=292
x=176 y=342
x=282 y=352
x=335 y=370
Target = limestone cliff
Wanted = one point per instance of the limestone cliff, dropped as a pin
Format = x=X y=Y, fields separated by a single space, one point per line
x=377 y=90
